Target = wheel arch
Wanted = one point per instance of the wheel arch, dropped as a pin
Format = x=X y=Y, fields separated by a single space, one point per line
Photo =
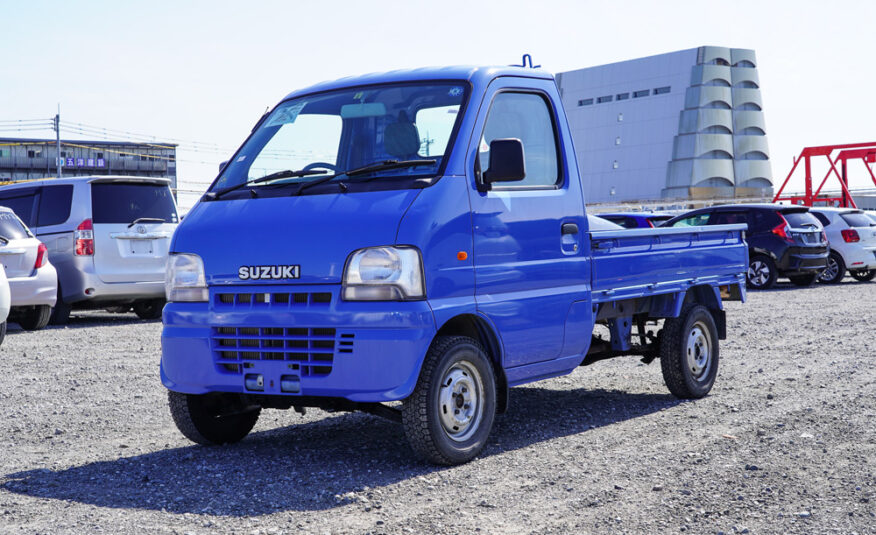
x=478 y=328
x=710 y=297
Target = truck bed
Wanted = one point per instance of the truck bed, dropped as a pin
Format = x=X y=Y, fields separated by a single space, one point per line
x=641 y=262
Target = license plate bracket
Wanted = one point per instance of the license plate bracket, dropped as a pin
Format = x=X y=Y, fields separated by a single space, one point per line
x=143 y=247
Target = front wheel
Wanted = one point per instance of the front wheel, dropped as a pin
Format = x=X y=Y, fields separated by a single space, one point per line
x=448 y=417
x=863 y=275
x=212 y=419
x=689 y=352
x=834 y=271
x=149 y=309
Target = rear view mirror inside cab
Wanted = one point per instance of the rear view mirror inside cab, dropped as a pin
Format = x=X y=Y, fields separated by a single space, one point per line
x=364 y=109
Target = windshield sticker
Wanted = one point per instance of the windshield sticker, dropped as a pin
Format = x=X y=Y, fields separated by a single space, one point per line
x=286 y=115
x=455 y=91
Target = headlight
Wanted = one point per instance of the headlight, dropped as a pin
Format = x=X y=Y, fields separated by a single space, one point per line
x=185 y=280
x=384 y=274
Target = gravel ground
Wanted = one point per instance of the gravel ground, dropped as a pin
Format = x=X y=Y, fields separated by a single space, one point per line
x=784 y=443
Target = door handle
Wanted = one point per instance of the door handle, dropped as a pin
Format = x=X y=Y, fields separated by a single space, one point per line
x=570 y=228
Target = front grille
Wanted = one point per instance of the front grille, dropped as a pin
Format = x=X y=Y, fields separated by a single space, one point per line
x=309 y=350
x=273 y=299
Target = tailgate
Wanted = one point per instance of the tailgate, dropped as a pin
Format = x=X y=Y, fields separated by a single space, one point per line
x=136 y=254
x=19 y=256
x=646 y=259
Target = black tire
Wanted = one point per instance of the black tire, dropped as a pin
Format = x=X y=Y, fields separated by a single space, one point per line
x=2 y=332
x=457 y=374
x=803 y=280
x=212 y=419
x=863 y=275
x=60 y=312
x=835 y=270
x=149 y=309
x=762 y=272
x=689 y=352
x=34 y=318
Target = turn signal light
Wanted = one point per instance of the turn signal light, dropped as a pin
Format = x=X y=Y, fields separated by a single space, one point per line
x=83 y=239
x=850 y=235
x=42 y=255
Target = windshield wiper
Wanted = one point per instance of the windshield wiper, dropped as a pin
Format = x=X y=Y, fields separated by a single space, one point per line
x=370 y=168
x=146 y=220
x=288 y=173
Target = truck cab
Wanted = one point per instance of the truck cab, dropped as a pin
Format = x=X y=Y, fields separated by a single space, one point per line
x=421 y=236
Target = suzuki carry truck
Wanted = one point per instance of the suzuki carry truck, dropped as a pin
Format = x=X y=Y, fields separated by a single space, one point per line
x=421 y=236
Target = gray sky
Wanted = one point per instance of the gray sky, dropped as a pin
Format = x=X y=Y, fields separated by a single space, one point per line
x=205 y=71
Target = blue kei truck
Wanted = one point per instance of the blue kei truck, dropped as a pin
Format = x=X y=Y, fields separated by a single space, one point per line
x=421 y=237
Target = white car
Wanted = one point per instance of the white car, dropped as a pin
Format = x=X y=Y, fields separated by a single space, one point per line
x=32 y=280
x=4 y=304
x=852 y=237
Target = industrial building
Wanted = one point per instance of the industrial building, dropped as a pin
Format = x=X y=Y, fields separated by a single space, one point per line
x=683 y=125
x=27 y=159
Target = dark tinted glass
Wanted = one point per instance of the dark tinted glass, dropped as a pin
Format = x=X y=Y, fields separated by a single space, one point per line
x=11 y=228
x=857 y=220
x=21 y=202
x=54 y=205
x=800 y=219
x=620 y=220
x=729 y=218
x=764 y=220
x=821 y=218
x=120 y=202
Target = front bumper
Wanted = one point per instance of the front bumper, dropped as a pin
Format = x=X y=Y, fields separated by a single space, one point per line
x=39 y=289
x=303 y=336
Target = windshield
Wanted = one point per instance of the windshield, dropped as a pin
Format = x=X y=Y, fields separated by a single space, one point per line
x=342 y=130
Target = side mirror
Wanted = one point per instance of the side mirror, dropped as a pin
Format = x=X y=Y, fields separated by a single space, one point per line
x=222 y=165
x=507 y=163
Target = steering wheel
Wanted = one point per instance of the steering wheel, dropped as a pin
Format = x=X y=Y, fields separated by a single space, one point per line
x=322 y=165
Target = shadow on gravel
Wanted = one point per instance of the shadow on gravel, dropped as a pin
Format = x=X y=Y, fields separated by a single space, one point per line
x=304 y=467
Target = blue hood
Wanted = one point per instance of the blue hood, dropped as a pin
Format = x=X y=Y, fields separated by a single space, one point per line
x=315 y=232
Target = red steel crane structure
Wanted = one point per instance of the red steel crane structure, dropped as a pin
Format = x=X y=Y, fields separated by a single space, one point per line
x=866 y=152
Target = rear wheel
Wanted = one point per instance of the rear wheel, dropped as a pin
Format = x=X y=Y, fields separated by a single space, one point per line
x=60 y=312
x=762 y=272
x=863 y=275
x=2 y=332
x=834 y=271
x=689 y=352
x=448 y=417
x=803 y=280
x=149 y=309
x=34 y=318
x=212 y=419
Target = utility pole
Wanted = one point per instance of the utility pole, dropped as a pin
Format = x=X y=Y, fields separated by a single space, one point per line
x=58 y=138
x=427 y=141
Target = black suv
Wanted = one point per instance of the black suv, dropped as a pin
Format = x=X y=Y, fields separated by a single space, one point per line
x=784 y=241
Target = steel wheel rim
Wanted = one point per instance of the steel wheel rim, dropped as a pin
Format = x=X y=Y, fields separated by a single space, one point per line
x=831 y=270
x=460 y=401
x=758 y=273
x=698 y=352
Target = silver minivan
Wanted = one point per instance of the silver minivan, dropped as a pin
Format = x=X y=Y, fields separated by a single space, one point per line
x=107 y=236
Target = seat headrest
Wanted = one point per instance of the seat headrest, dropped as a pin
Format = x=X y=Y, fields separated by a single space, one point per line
x=401 y=138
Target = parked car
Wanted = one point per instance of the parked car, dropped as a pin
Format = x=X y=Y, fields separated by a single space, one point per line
x=597 y=223
x=107 y=236
x=637 y=219
x=783 y=241
x=33 y=282
x=852 y=237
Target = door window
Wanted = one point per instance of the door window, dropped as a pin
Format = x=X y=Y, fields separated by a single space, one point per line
x=22 y=203
x=729 y=218
x=54 y=205
x=527 y=117
x=697 y=220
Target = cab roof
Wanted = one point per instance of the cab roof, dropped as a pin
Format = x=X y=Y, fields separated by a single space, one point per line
x=476 y=75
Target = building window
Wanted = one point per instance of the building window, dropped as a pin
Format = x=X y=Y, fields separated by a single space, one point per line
x=642 y=93
x=623 y=96
x=142 y=157
x=31 y=154
x=99 y=155
x=607 y=98
x=662 y=90
x=585 y=102
x=63 y=154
